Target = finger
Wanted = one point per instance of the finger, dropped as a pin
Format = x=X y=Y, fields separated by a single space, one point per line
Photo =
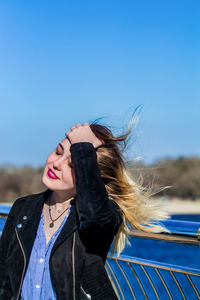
x=78 y=125
x=86 y=124
x=72 y=127
x=67 y=133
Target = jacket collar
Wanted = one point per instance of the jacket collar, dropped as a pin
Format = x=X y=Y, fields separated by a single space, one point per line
x=27 y=228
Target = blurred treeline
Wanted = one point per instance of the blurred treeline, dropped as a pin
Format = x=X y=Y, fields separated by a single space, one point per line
x=182 y=174
x=17 y=182
x=180 y=177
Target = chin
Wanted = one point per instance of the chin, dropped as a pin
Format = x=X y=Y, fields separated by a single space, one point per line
x=47 y=182
x=54 y=185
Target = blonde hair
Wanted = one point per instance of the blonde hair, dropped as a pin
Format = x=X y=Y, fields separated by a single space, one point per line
x=134 y=200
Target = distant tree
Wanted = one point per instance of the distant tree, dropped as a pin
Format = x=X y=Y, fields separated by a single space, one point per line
x=183 y=174
x=18 y=182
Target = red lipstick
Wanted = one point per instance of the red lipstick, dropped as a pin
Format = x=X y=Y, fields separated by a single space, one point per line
x=51 y=174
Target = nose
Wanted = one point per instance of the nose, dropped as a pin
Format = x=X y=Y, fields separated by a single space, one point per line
x=57 y=164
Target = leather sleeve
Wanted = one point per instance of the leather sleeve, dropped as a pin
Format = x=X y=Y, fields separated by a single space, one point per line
x=5 y=286
x=94 y=205
x=100 y=216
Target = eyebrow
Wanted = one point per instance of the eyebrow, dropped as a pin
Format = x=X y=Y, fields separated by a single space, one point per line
x=59 y=144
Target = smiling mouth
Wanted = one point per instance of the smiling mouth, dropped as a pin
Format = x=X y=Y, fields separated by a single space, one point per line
x=51 y=174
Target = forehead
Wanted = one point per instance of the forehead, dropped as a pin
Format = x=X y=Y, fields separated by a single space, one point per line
x=65 y=143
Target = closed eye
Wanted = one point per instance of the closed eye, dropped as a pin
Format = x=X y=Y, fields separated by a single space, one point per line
x=57 y=152
x=59 y=149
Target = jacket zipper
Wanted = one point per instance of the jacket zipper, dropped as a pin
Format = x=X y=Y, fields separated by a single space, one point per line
x=24 y=263
x=73 y=266
x=87 y=295
x=73 y=271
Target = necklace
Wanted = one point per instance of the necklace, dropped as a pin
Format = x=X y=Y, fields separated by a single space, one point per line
x=51 y=225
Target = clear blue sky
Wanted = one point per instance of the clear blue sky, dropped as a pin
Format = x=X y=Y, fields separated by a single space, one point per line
x=63 y=62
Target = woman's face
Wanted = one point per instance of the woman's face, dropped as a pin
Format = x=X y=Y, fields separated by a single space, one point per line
x=58 y=172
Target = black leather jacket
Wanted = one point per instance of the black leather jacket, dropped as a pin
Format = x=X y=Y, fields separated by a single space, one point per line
x=79 y=253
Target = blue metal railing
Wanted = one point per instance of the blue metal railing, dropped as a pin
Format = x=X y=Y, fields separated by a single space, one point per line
x=135 y=278
x=4 y=209
x=139 y=278
x=186 y=228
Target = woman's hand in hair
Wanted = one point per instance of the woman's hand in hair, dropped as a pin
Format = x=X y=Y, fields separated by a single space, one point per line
x=83 y=133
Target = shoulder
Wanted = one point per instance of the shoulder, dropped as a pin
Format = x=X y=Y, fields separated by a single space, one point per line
x=28 y=198
x=26 y=202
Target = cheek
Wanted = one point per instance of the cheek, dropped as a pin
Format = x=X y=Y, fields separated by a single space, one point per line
x=49 y=158
x=48 y=161
x=68 y=176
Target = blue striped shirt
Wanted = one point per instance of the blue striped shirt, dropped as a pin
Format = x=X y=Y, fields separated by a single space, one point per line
x=37 y=283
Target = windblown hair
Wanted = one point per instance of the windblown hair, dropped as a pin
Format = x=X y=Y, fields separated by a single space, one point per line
x=134 y=200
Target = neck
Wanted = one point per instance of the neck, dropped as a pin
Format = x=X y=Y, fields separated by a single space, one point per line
x=62 y=197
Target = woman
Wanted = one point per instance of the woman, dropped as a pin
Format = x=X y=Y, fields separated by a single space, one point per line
x=54 y=244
